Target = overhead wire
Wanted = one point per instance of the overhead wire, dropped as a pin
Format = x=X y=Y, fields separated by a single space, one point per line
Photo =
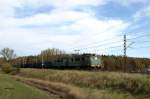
x=101 y=44
x=96 y=42
x=140 y=29
x=109 y=28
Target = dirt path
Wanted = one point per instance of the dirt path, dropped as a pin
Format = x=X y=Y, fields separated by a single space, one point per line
x=59 y=89
x=12 y=89
x=43 y=87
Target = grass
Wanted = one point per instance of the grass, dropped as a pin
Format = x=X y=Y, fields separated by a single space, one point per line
x=98 y=84
x=11 y=89
x=67 y=91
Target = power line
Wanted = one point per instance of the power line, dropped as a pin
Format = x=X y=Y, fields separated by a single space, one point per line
x=100 y=45
x=113 y=38
x=143 y=42
x=109 y=28
x=101 y=50
x=141 y=47
x=97 y=42
x=108 y=47
x=130 y=39
x=115 y=48
x=100 y=35
x=141 y=36
x=103 y=42
x=139 y=29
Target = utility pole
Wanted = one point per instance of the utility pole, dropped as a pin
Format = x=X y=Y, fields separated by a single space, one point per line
x=42 y=61
x=23 y=62
x=125 y=53
x=36 y=60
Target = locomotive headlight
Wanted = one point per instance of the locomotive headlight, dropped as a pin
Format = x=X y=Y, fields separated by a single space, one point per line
x=95 y=58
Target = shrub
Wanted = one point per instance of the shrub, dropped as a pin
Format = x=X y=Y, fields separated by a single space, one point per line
x=7 y=68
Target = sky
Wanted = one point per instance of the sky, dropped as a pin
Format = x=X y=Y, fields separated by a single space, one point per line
x=90 y=26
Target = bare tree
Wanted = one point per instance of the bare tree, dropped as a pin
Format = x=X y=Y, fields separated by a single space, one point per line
x=51 y=53
x=8 y=54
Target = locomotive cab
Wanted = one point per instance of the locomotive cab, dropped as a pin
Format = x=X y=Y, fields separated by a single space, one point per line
x=92 y=60
x=95 y=61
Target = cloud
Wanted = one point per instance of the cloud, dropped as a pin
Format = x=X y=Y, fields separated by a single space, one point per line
x=130 y=2
x=6 y=7
x=144 y=12
x=62 y=27
x=65 y=4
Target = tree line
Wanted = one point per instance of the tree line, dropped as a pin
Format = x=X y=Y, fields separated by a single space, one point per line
x=110 y=63
x=133 y=64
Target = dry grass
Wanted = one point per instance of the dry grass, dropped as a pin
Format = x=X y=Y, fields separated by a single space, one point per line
x=134 y=84
x=63 y=90
x=67 y=91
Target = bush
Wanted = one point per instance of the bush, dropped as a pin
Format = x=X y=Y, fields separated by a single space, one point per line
x=7 y=68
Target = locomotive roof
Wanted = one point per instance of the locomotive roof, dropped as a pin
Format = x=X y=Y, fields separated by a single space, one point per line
x=82 y=55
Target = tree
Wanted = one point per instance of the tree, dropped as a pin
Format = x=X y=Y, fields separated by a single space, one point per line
x=8 y=54
x=51 y=54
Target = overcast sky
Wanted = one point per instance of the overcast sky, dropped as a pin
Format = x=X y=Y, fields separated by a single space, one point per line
x=28 y=26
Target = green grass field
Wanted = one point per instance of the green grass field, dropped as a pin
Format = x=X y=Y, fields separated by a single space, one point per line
x=11 y=89
x=96 y=85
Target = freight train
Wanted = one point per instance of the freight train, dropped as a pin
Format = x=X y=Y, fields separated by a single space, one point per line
x=70 y=61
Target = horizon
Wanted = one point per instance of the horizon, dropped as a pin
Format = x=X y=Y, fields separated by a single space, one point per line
x=90 y=26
